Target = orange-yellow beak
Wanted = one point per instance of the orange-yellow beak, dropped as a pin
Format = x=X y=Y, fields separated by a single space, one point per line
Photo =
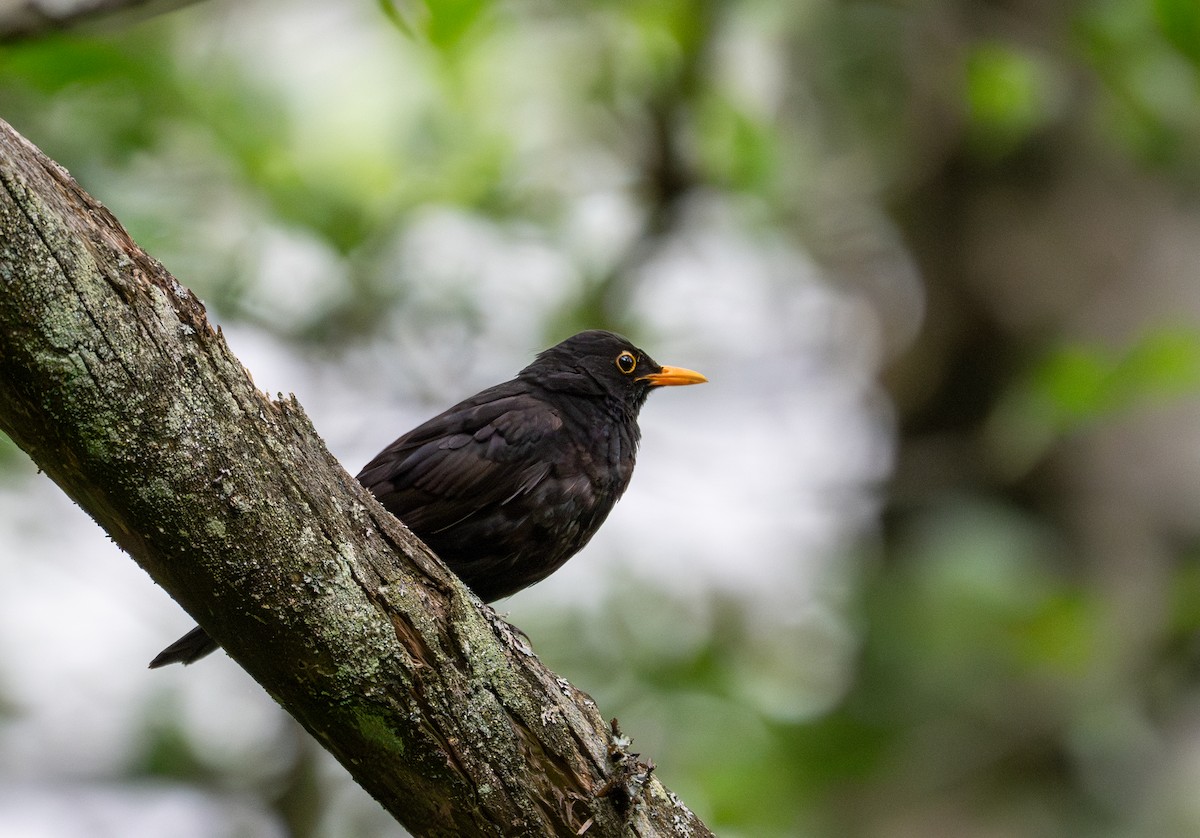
x=672 y=376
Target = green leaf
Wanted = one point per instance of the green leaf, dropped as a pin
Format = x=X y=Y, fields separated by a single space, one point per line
x=1082 y=382
x=450 y=21
x=1009 y=96
x=1077 y=385
x=1179 y=21
x=445 y=23
x=406 y=15
x=736 y=147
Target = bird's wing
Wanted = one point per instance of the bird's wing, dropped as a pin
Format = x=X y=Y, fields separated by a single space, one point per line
x=478 y=454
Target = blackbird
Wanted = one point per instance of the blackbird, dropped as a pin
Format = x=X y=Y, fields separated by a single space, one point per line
x=510 y=483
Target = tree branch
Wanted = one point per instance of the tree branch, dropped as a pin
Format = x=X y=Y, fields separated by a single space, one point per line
x=25 y=19
x=113 y=381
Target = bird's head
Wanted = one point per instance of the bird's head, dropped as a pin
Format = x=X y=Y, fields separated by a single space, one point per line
x=603 y=364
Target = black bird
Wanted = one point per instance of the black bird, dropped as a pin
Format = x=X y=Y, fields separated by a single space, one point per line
x=510 y=483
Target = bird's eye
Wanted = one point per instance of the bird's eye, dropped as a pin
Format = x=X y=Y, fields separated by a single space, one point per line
x=626 y=362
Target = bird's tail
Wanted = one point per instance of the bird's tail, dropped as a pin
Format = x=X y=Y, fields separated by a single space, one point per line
x=187 y=649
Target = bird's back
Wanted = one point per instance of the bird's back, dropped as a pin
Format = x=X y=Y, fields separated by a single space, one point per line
x=509 y=484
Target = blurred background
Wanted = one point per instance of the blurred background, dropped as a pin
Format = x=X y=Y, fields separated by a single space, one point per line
x=923 y=559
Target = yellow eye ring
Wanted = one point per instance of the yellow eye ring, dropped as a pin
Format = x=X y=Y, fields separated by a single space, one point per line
x=626 y=363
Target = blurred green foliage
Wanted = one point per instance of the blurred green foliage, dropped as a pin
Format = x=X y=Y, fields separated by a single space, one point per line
x=1009 y=96
x=1145 y=57
x=1075 y=387
x=1180 y=23
x=1081 y=383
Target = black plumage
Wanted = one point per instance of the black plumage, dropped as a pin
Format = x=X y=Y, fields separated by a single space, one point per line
x=507 y=485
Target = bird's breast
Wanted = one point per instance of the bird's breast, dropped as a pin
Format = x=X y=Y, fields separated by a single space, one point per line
x=598 y=454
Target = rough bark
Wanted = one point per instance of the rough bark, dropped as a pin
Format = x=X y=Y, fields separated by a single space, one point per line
x=113 y=381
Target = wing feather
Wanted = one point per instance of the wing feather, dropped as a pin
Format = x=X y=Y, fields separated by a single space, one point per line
x=473 y=457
